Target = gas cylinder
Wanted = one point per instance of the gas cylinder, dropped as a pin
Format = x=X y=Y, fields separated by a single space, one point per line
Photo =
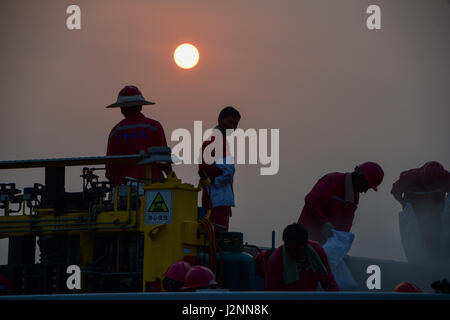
x=235 y=268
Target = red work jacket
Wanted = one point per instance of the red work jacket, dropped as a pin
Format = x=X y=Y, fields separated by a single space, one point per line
x=411 y=188
x=134 y=133
x=308 y=280
x=331 y=200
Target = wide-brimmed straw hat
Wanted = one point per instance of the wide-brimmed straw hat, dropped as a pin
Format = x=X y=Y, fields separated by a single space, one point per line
x=130 y=96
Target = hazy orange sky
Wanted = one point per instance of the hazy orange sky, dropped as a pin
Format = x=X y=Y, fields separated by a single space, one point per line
x=339 y=93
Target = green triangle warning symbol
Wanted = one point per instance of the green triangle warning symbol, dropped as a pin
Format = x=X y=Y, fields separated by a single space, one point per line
x=158 y=204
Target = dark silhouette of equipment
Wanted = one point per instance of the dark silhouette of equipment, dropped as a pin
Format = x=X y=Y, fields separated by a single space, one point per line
x=442 y=286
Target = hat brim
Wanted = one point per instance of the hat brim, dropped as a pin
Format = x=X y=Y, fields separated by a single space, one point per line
x=130 y=104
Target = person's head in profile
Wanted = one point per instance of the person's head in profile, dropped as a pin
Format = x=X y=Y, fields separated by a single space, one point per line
x=295 y=238
x=368 y=175
x=228 y=119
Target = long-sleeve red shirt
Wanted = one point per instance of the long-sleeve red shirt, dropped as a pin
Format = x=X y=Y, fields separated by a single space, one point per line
x=328 y=201
x=134 y=133
x=308 y=279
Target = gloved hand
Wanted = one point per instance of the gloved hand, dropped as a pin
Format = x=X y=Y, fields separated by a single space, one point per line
x=327 y=230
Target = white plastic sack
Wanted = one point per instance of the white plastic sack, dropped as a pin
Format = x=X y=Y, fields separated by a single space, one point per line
x=220 y=192
x=336 y=248
x=338 y=245
x=221 y=196
x=411 y=236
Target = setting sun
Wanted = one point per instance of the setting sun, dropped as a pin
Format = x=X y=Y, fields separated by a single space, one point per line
x=186 y=56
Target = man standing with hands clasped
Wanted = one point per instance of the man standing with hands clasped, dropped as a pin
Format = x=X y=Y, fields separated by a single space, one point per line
x=219 y=196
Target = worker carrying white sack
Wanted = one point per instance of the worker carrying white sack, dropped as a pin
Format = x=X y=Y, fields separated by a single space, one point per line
x=425 y=189
x=336 y=248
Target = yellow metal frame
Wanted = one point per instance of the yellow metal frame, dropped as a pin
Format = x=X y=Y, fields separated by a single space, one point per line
x=163 y=244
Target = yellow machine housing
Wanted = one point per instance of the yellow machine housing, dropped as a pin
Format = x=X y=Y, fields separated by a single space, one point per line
x=170 y=227
x=166 y=217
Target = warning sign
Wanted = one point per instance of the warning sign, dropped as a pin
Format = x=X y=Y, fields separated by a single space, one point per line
x=158 y=204
x=158 y=207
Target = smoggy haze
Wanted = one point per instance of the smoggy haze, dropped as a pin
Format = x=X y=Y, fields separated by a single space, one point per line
x=339 y=93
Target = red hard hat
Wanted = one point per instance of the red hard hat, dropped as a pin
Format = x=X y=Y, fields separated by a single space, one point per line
x=197 y=277
x=407 y=287
x=178 y=270
x=433 y=173
x=373 y=173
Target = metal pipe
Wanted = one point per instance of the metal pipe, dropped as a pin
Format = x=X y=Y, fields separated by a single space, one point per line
x=81 y=229
x=62 y=224
x=73 y=229
x=70 y=229
x=66 y=162
x=89 y=215
x=111 y=273
x=273 y=239
x=118 y=253
x=67 y=219
x=7 y=208
x=40 y=220
x=129 y=204
x=129 y=199
x=116 y=198
x=138 y=250
x=137 y=196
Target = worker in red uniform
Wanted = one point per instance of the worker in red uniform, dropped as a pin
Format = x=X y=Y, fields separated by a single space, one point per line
x=299 y=264
x=131 y=135
x=332 y=202
x=425 y=189
x=228 y=120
